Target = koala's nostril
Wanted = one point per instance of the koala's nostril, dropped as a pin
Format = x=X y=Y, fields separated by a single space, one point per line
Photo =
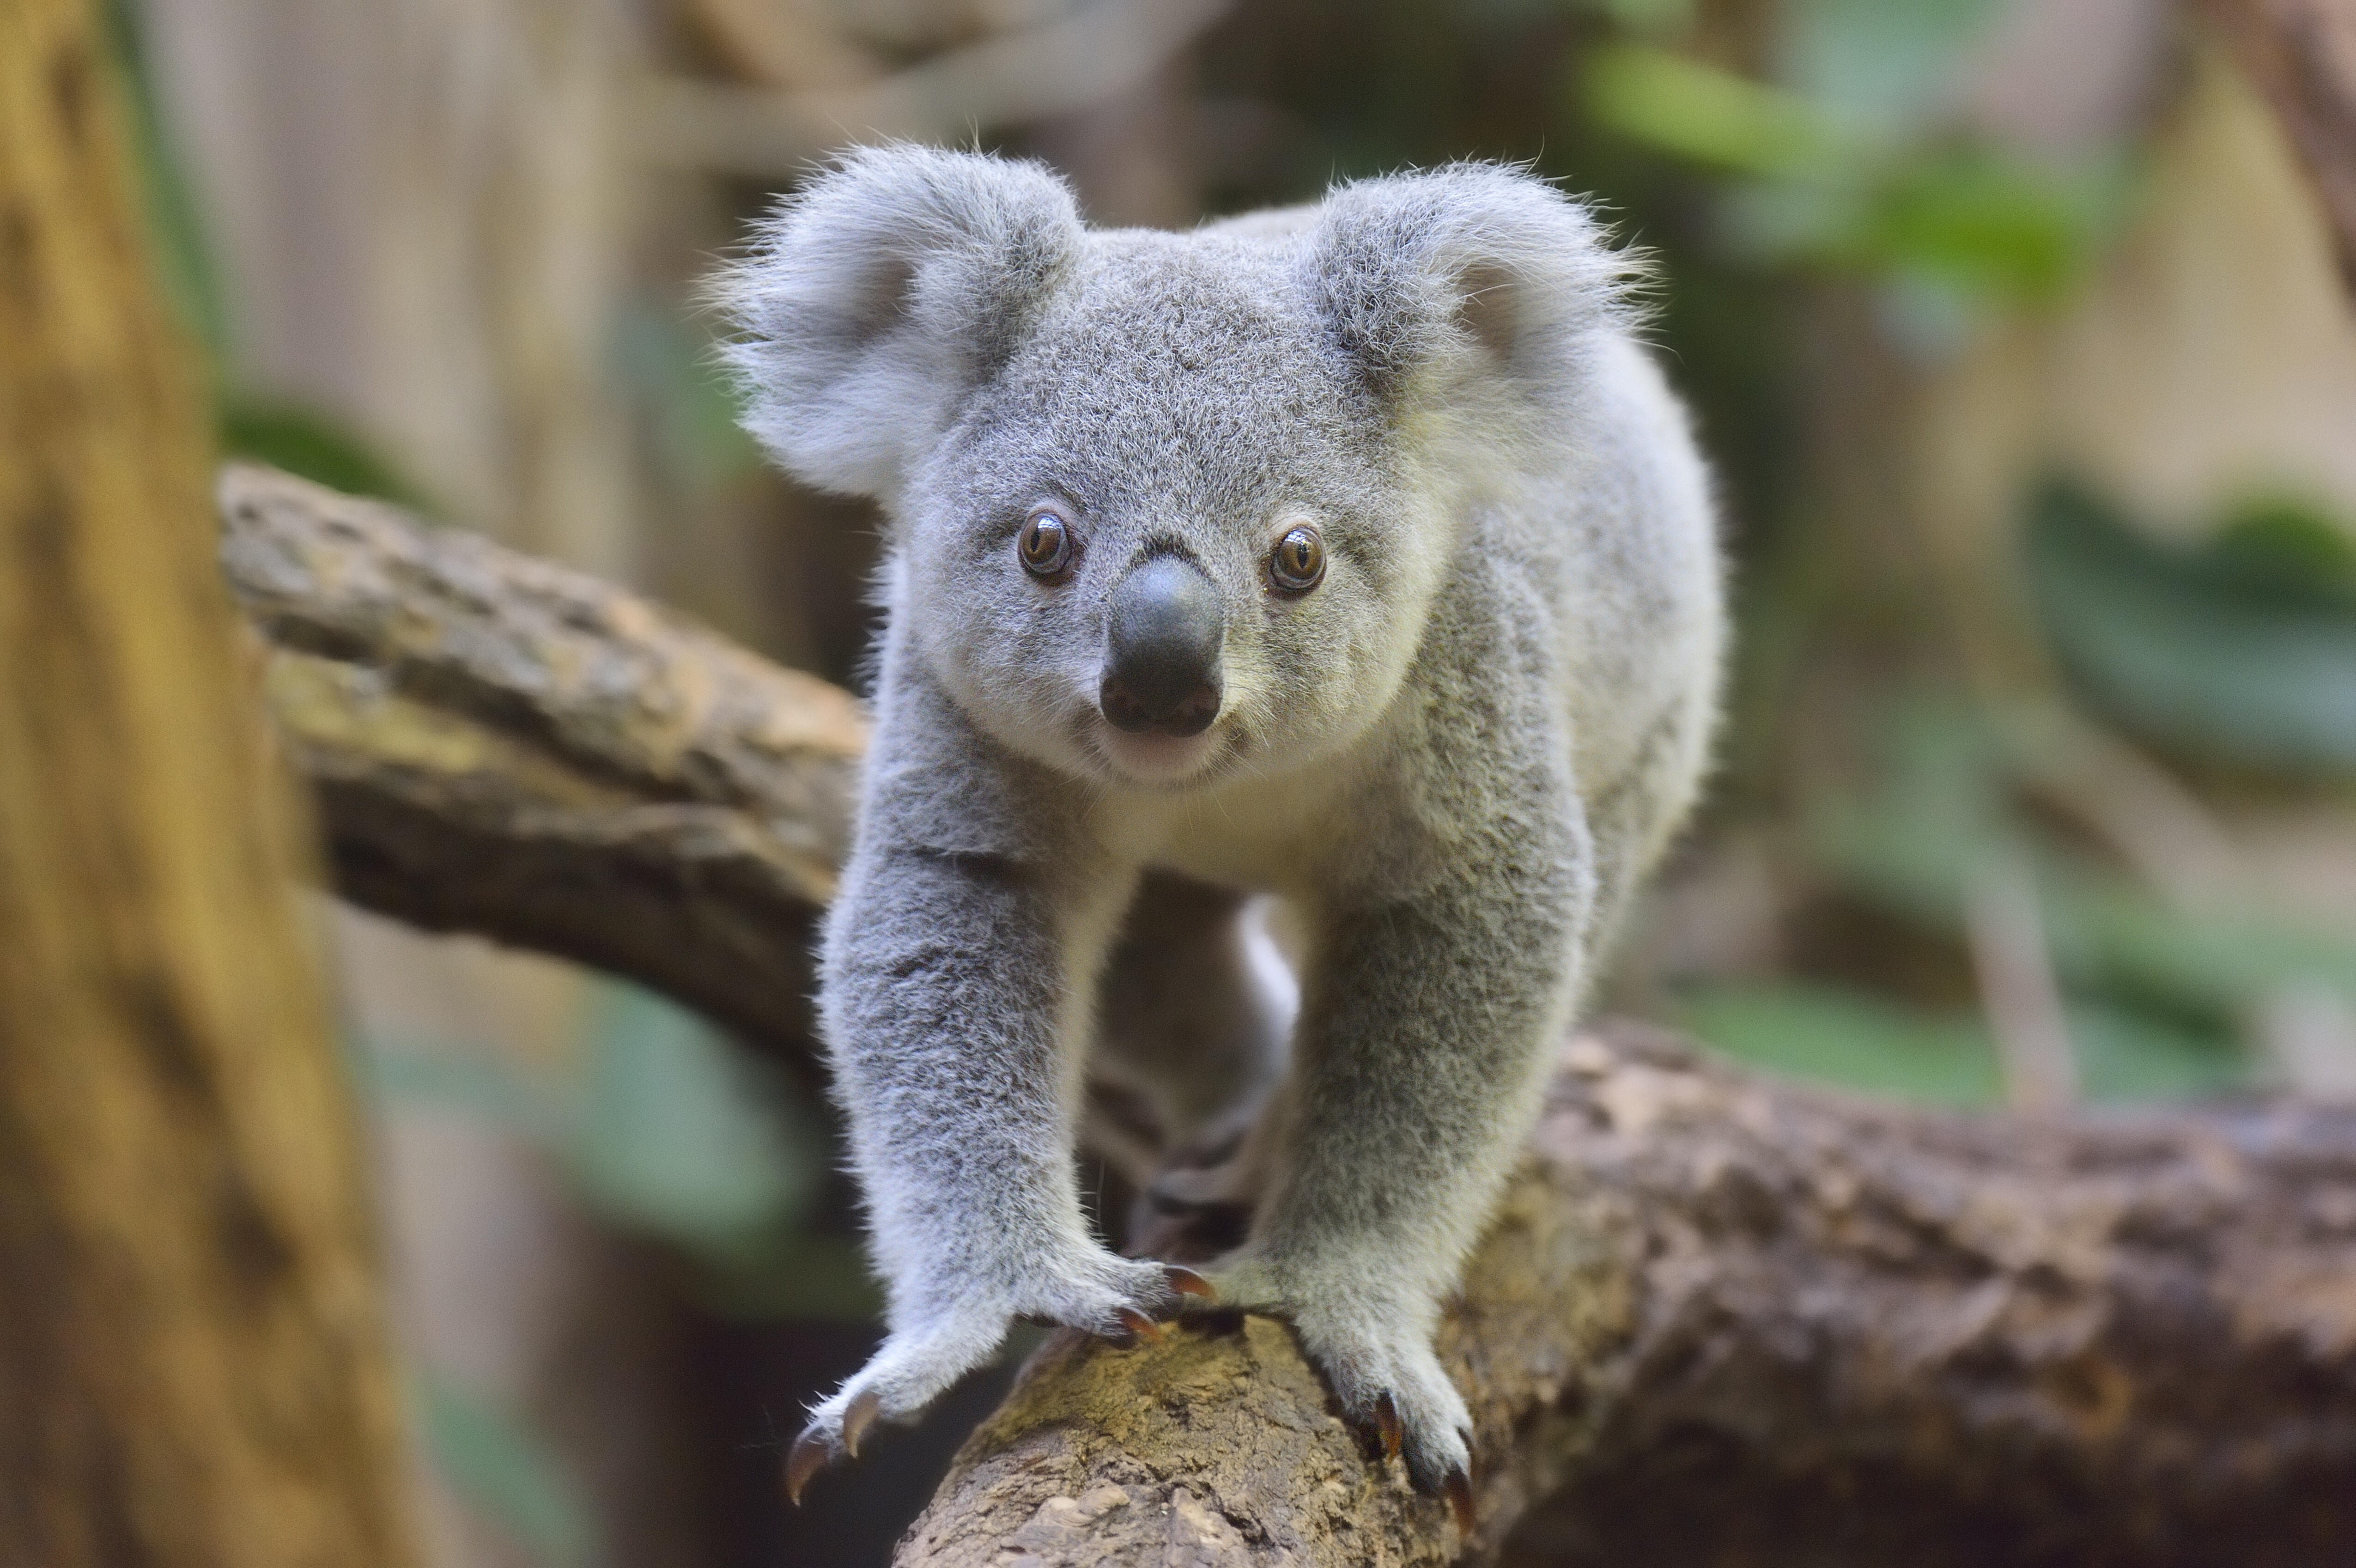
x=1161 y=649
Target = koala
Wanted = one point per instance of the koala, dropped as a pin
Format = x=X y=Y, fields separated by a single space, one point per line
x=1356 y=553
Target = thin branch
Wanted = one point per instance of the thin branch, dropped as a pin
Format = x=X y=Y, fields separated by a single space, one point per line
x=2018 y=992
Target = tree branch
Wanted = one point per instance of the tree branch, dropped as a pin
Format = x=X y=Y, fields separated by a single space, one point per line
x=1709 y=1306
x=507 y=747
x=1981 y=1338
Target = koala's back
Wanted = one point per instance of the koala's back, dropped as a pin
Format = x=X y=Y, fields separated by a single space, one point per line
x=1643 y=618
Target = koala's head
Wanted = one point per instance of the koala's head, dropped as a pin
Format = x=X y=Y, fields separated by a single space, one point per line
x=1165 y=506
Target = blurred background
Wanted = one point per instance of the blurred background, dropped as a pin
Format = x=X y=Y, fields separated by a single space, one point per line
x=2012 y=326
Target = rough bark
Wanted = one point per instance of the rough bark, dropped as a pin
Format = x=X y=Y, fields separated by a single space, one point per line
x=2302 y=54
x=1717 y=1320
x=504 y=747
x=192 y=1366
x=1721 y=1321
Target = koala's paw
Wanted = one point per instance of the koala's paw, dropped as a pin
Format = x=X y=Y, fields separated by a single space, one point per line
x=1381 y=1368
x=1112 y=1297
x=1393 y=1385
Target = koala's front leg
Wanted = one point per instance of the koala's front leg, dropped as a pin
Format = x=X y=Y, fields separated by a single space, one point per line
x=954 y=978
x=1427 y=1025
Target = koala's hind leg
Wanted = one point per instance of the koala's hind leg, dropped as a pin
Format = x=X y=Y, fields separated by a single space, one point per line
x=1195 y=1014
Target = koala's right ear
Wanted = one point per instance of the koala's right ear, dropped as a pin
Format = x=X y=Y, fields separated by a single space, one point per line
x=879 y=296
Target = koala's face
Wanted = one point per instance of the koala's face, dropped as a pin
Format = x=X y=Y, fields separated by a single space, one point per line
x=1170 y=539
x=1167 y=506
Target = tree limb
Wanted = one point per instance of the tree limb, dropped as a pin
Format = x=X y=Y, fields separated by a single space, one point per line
x=1887 y=1335
x=1905 y=1337
x=504 y=747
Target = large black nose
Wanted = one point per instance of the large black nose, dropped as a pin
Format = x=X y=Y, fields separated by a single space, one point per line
x=1161 y=649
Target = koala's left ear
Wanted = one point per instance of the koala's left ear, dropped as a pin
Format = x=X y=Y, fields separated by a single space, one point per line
x=1469 y=271
x=883 y=294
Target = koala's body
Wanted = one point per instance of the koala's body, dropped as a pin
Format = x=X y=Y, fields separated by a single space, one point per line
x=1356 y=553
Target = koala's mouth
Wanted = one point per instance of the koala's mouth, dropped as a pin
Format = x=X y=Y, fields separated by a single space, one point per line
x=1158 y=759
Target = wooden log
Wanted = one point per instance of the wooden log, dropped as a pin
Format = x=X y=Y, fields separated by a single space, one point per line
x=193 y=1371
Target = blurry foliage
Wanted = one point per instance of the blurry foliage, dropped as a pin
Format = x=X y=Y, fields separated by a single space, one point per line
x=686 y=401
x=507 y=1472
x=2242 y=651
x=299 y=439
x=1850 y=1037
x=667 y=1129
x=674 y=1131
x=2158 y=996
x=1876 y=1046
x=1951 y=794
x=303 y=441
x=1852 y=162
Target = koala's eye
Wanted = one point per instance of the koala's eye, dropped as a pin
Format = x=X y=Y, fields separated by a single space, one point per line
x=1298 y=562
x=1046 y=542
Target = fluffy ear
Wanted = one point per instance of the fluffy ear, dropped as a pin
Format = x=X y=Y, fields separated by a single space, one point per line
x=880 y=294
x=1473 y=270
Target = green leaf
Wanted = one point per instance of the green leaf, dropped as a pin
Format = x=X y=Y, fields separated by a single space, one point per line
x=2208 y=965
x=678 y=1135
x=2228 y=652
x=1652 y=18
x=1942 y=807
x=1712 y=116
x=304 y=441
x=1990 y=222
x=467 y=1079
x=2127 y=1054
x=1958 y=220
x=1887 y=59
x=505 y=1470
x=2288 y=544
x=1863 y=1043
x=1849 y=1038
x=678 y=385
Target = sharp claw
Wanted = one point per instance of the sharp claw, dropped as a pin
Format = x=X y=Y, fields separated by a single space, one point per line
x=1386 y=1421
x=1458 y=1489
x=806 y=1458
x=1139 y=1325
x=858 y=1419
x=1186 y=1281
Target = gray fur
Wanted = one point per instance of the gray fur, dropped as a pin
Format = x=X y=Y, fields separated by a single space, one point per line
x=1453 y=759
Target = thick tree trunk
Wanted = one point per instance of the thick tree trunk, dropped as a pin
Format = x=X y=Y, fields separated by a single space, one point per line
x=1716 y=1320
x=192 y=1367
